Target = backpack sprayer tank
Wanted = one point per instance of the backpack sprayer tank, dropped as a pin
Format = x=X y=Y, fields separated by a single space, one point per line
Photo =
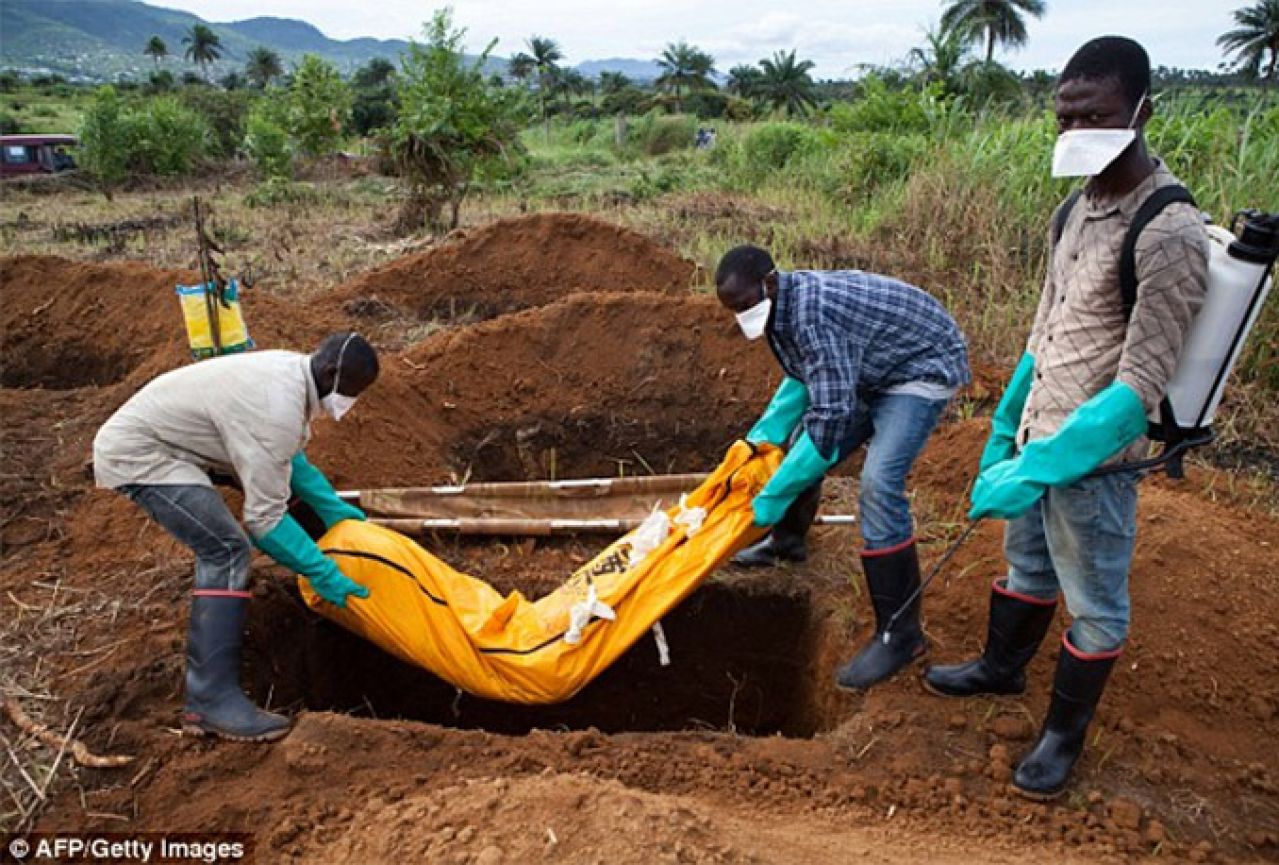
x=1238 y=283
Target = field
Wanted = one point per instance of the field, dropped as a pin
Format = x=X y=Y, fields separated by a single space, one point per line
x=566 y=331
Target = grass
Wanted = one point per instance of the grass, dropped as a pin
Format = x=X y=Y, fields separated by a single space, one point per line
x=54 y=109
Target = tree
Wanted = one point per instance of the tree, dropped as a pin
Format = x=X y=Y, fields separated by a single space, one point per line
x=942 y=60
x=319 y=105
x=1256 y=35
x=374 y=90
x=620 y=95
x=203 y=47
x=521 y=67
x=743 y=79
x=156 y=50
x=546 y=54
x=992 y=20
x=569 y=83
x=263 y=66
x=453 y=124
x=685 y=65
x=375 y=73
x=785 y=84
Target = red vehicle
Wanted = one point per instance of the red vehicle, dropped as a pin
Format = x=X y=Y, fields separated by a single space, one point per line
x=35 y=154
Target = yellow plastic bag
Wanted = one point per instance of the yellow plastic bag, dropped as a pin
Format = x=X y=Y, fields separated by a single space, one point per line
x=522 y=651
x=233 y=334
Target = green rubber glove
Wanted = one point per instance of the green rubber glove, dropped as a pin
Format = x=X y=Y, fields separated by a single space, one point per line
x=779 y=420
x=289 y=545
x=804 y=466
x=1094 y=432
x=311 y=486
x=1002 y=443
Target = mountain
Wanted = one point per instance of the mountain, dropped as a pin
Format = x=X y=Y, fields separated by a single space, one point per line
x=103 y=39
x=637 y=70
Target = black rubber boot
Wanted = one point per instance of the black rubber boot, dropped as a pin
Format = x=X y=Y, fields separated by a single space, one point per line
x=214 y=702
x=787 y=542
x=1017 y=626
x=891 y=578
x=1044 y=773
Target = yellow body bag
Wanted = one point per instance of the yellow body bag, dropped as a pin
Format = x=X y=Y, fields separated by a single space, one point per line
x=509 y=648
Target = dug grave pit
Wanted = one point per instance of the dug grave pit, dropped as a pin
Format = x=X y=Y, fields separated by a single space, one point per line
x=741 y=659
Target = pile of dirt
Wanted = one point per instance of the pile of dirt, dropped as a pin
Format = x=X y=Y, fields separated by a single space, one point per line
x=593 y=384
x=514 y=264
x=77 y=339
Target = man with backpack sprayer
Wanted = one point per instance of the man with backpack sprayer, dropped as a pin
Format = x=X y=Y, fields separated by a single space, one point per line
x=1095 y=366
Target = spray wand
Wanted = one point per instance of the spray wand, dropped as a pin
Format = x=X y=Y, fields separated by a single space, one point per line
x=915 y=595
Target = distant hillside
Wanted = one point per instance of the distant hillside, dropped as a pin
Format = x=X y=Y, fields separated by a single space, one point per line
x=636 y=70
x=101 y=40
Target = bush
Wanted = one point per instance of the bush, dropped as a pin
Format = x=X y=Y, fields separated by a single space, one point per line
x=9 y=80
x=9 y=124
x=707 y=104
x=279 y=190
x=267 y=143
x=166 y=137
x=656 y=134
x=881 y=109
x=161 y=136
x=373 y=107
x=860 y=164
x=771 y=146
x=160 y=80
x=104 y=137
x=224 y=113
x=319 y=107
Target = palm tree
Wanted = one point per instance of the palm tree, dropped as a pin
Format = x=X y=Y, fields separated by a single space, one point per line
x=994 y=20
x=743 y=79
x=785 y=83
x=546 y=54
x=613 y=82
x=203 y=47
x=156 y=50
x=569 y=83
x=685 y=65
x=263 y=66
x=1257 y=34
x=942 y=60
x=521 y=67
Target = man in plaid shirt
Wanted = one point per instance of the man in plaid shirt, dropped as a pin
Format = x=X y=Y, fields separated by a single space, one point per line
x=867 y=360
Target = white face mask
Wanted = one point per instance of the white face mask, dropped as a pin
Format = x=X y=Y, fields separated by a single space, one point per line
x=754 y=321
x=337 y=404
x=1087 y=152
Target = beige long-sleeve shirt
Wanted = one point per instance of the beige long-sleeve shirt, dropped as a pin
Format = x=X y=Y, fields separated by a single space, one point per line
x=1080 y=341
x=247 y=414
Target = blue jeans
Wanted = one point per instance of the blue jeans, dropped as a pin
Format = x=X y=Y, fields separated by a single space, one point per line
x=1078 y=540
x=197 y=516
x=897 y=427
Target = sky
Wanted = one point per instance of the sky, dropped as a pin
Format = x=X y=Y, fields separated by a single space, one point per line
x=837 y=36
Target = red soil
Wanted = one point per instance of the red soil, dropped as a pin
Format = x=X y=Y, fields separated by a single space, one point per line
x=579 y=383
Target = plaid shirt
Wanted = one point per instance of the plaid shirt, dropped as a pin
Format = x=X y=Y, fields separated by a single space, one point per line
x=849 y=335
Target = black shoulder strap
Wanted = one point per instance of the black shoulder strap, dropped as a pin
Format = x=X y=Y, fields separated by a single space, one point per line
x=1150 y=208
x=1063 y=214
